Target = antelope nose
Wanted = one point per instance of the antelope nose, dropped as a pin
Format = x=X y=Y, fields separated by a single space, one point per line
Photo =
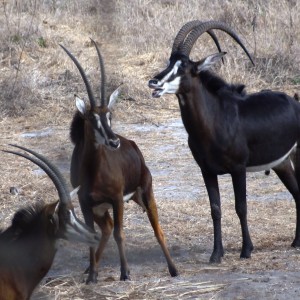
x=114 y=143
x=153 y=83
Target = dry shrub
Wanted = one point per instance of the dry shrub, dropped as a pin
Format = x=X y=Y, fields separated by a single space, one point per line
x=37 y=84
x=136 y=40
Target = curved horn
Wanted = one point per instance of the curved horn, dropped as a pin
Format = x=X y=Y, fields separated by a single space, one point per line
x=50 y=169
x=103 y=77
x=189 y=42
x=186 y=29
x=84 y=77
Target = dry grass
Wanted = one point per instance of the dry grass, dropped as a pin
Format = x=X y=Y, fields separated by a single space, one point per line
x=37 y=86
x=135 y=41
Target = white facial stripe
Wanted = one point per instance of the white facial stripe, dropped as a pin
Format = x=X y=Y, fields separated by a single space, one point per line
x=72 y=218
x=173 y=71
x=108 y=118
x=170 y=87
x=98 y=137
x=99 y=125
x=271 y=164
x=75 y=223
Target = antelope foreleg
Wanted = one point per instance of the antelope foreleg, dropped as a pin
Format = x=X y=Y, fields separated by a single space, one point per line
x=118 y=211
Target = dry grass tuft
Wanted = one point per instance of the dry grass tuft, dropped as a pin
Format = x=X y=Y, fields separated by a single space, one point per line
x=38 y=82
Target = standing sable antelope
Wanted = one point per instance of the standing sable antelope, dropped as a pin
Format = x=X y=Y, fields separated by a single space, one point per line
x=28 y=246
x=109 y=170
x=229 y=131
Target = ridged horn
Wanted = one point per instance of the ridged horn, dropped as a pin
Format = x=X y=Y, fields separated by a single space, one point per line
x=190 y=40
x=49 y=168
x=103 y=76
x=186 y=29
x=83 y=75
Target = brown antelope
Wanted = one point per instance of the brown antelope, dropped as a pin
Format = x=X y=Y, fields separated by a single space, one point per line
x=231 y=132
x=28 y=246
x=109 y=170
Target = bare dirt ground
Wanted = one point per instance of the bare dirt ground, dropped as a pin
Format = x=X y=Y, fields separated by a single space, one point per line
x=135 y=41
x=271 y=273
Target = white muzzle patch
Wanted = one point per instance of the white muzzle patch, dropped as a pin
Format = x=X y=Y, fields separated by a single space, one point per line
x=164 y=86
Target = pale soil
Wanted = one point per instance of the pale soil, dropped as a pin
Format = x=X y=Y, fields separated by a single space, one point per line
x=271 y=273
x=135 y=47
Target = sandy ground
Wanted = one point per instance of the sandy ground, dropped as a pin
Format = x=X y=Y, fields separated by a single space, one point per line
x=271 y=273
x=137 y=53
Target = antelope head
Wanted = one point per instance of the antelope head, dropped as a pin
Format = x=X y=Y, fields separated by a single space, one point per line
x=178 y=76
x=98 y=117
x=60 y=219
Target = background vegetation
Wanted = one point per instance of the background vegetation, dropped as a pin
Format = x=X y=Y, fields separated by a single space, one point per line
x=136 y=38
x=38 y=81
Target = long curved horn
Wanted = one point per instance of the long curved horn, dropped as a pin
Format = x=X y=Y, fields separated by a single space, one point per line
x=84 y=77
x=189 y=42
x=50 y=169
x=186 y=29
x=103 y=76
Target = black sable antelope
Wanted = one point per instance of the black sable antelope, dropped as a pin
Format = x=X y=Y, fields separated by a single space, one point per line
x=28 y=246
x=109 y=170
x=230 y=131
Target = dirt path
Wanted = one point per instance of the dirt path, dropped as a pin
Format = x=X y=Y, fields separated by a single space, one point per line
x=272 y=273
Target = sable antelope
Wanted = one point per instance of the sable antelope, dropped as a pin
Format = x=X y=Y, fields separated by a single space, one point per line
x=28 y=246
x=231 y=132
x=110 y=170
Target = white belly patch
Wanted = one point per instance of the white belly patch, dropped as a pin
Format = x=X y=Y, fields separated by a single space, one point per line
x=128 y=197
x=271 y=164
x=100 y=209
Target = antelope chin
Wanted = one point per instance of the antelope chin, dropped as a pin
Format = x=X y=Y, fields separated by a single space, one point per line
x=157 y=93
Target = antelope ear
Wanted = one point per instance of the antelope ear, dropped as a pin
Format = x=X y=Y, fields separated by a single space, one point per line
x=113 y=97
x=54 y=208
x=80 y=105
x=53 y=218
x=73 y=193
x=207 y=62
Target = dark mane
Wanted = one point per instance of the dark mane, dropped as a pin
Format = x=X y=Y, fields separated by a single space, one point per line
x=28 y=215
x=77 y=128
x=23 y=221
x=214 y=83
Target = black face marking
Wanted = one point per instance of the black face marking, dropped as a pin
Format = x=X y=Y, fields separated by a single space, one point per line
x=103 y=132
x=168 y=81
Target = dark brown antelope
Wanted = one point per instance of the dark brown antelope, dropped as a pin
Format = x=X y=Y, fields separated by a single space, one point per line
x=230 y=131
x=28 y=246
x=109 y=170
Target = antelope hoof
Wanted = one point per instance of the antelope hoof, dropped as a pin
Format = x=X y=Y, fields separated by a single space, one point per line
x=216 y=256
x=246 y=252
x=125 y=277
x=92 y=278
x=173 y=271
x=215 y=259
x=296 y=243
